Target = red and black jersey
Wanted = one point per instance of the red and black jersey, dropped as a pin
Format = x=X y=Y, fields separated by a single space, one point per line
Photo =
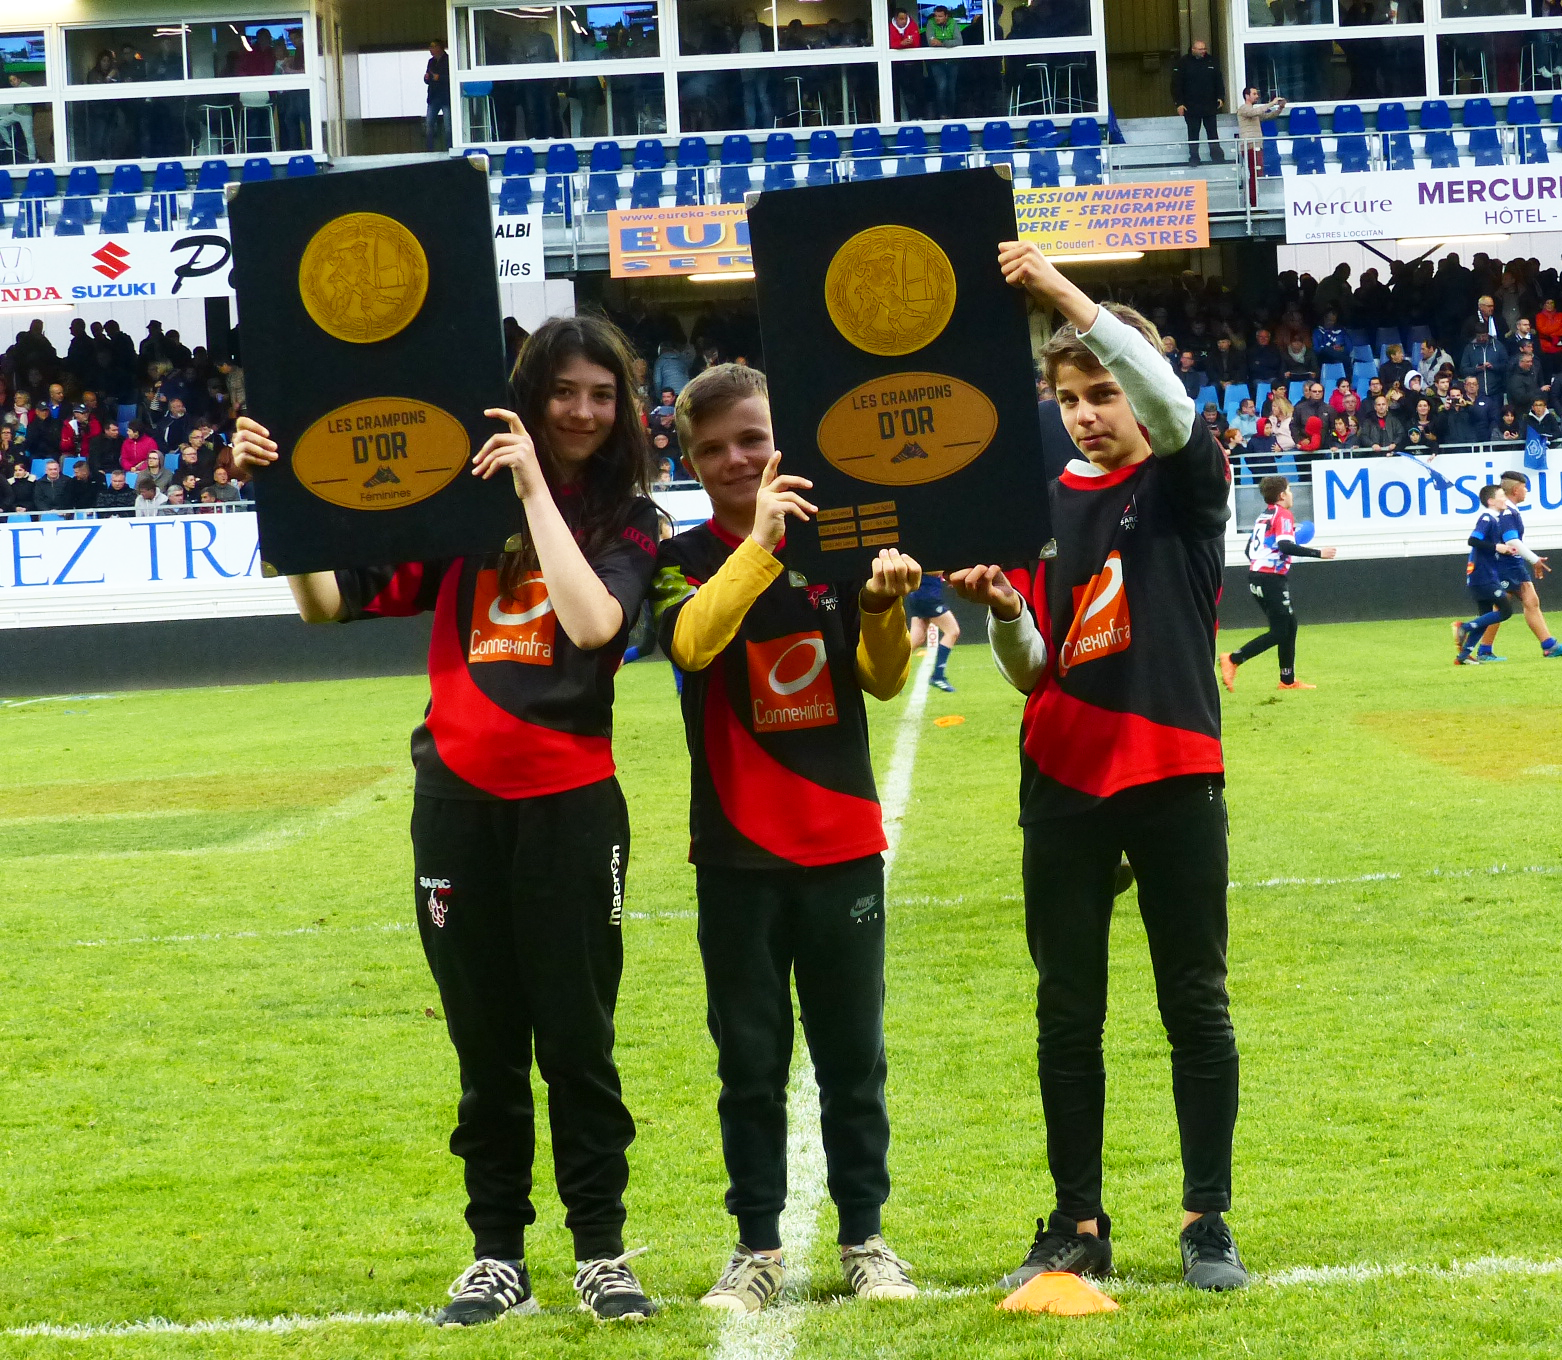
x=515 y=710
x=1127 y=609
x=776 y=725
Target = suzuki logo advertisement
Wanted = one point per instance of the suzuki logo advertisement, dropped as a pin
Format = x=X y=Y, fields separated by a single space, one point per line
x=67 y=269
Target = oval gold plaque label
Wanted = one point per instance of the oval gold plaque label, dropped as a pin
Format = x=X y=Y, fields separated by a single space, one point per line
x=907 y=429
x=381 y=454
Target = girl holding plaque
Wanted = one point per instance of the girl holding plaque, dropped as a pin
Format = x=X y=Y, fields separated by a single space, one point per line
x=519 y=832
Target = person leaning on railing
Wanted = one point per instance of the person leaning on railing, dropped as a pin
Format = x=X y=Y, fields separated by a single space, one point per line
x=1251 y=117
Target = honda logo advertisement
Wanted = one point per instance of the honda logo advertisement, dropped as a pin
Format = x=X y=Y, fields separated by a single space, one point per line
x=70 y=269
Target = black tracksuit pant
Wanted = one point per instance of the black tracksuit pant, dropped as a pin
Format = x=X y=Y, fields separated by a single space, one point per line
x=520 y=905
x=1273 y=593
x=1174 y=834
x=757 y=927
x=1194 y=118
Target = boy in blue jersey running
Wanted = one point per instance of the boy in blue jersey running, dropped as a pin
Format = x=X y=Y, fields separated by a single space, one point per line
x=927 y=606
x=1489 y=576
x=1526 y=568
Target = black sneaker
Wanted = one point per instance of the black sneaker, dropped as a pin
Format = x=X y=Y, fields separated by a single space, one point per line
x=1058 y=1247
x=609 y=1290
x=485 y=1291
x=1209 y=1255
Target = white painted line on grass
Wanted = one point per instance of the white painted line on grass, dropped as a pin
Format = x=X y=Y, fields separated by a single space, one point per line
x=56 y=699
x=771 y=1334
x=1489 y=870
x=1298 y=1277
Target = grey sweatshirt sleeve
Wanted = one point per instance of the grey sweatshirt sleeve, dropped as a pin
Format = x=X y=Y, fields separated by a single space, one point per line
x=1154 y=391
x=1019 y=650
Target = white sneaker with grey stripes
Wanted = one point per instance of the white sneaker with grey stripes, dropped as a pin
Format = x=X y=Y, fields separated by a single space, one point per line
x=747 y=1284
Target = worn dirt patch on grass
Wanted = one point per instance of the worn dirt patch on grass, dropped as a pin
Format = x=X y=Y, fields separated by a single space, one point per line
x=1477 y=743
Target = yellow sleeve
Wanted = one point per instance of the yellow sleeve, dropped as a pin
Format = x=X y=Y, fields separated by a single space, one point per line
x=884 y=652
x=708 y=622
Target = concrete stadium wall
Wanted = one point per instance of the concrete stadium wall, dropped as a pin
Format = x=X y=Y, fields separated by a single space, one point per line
x=177 y=654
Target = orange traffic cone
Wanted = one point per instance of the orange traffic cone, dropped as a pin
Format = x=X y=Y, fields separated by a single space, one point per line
x=1061 y=1293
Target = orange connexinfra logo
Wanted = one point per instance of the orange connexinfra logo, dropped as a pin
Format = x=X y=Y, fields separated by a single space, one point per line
x=518 y=628
x=789 y=683
x=1100 y=618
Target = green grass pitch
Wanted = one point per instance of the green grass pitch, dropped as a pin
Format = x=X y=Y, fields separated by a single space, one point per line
x=225 y=1086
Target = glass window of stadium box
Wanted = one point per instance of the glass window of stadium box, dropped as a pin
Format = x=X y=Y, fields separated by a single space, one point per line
x=543 y=34
x=26 y=133
x=582 y=106
x=1042 y=19
x=1500 y=63
x=810 y=96
x=23 y=60
x=1288 y=13
x=1371 y=13
x=180 y=126
x=1335 y=69
x=126 y=55
x=1484 y=9
x=1024 y=86
x=244 y=48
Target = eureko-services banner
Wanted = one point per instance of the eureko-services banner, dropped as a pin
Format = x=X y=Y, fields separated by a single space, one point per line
x=1398 y=203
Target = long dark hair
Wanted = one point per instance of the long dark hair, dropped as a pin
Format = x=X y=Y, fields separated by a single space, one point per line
x=619 y=472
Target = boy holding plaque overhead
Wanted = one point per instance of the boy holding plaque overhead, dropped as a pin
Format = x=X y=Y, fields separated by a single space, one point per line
x=786 y=831
x=520 y=837
x=1112 y=640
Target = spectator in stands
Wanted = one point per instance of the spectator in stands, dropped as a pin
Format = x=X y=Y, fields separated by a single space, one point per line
x=1211 y=418
x=20 y=487
x=1548 y=326
x=133 y=454
x=1543 y=420
x=1421 y=433
x=84 y=486
x=1261 y=450
x=1432 y=359
x=1395 y=366
x=1300 y=363
x=43 y=434
x=1311 y=407
x=436 y=116
x=190 y=484
x=20 y=416
x=1342 y=389
x=1225 y=364
x=1483 y=322
x=175 y=428
x=158 y=470
x=1486 y=361
x=1334 y=294
x=10 y=451
x=1509 y=428
x=222 y=486
x=1251 y=117
x=103 y=450
x=1521 y=333
x=1338 y=435
x=903 y=31
x=1169 y=345
x=1522 y=384
x=1264 y=361
x=77 y=434
x=1311 y=440
x=55 y=405
x=1188 y=374
x=1280 y=413
x=1330 y=343
x=1247 y=419
x=1199 y=92
x=148 y=500
x=1381 y=429
x=1469 y=418
x=174 y=505
x=118 y=495
x=193 y=458
x=53 y=491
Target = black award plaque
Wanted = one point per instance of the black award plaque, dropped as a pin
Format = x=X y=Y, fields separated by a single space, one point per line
x=372 y=343
x=900 y=371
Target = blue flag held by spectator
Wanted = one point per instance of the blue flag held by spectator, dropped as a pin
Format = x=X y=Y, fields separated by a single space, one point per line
x=1534 y=448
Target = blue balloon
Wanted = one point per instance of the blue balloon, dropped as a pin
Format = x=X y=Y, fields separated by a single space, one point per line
x=1305 y=531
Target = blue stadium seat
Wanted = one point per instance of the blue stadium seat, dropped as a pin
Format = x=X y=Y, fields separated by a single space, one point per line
x=39 y=465
x=1532 y=146
x=1303 y=121
x=998 y=143
x=83 y=182
x=41 y=184
x=80 y=189
x=117 y=214
x=737 y=154
x=1260 y=394
x=256 y=170
x=1522 y=111
x=693 y=157
x=1386 y=336
x=162 y=213
x=1330 y=377
x=1365 y=370
x=128 y=179
x=1486 y=145
x=607 y=159
x=1441 y=150
x=205 y=208
x=1352 y=153
x=515 y=195
x=1209 y=395
x=1236 y=394
x=911 y=147
x=867 y=154
x=1556 y=109
x=1360 y=340
x=1393 y=118
x=1434 y=116
x=169 y=178
x=1272 y=166
x=1042 y=133
x=562 y=163
x=213 y=175
x=1348 y=119
x=1045 y=173
x=1416 y=335
x=1307 y=153
x=780 y=161
x=1478 y=113
x=954 y=145
x=1398 y=152
x=1285 y=465
x=645 y=190
x=520 y=161
x=298 y=166
x=824 y=150
x=1084 y=132
x=1244 y=473
x=68 y=465
x=1087 y=165
x=1296 y=391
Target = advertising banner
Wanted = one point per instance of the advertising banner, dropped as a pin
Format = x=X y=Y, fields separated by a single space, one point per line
x=146 y=265
x=518 y=249
x=712 y=239
x=1102 y=218
x=1467 y=201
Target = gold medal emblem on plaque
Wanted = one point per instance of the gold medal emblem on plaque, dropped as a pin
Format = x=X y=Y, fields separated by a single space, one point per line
x=363 y=277
x=890 y=290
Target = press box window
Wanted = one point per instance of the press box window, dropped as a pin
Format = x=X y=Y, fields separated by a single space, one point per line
x=539 y=34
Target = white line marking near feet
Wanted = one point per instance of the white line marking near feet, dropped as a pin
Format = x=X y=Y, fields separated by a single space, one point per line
x=287 y=1323
x=771 y=1334
x=1489 y=870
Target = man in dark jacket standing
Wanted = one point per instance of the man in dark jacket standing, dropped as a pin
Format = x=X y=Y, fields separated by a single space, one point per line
x=1199 y=89
x=436 y=75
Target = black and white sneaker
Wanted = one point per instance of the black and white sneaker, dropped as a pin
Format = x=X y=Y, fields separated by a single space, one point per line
x=609 y=1290
x=485 y=1291
x=1059 y=1246
x=1209 y=1255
